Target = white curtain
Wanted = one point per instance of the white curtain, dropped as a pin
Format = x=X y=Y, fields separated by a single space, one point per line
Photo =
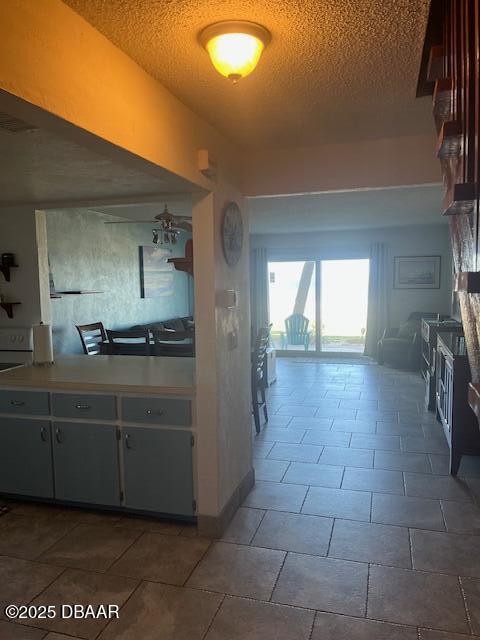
x=259 y=289
x=378 y=294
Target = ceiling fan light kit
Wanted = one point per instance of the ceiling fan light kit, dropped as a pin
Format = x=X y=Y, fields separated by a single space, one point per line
x=235 y=46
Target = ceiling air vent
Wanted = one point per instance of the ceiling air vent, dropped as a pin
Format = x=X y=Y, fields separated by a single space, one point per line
x=14 y=125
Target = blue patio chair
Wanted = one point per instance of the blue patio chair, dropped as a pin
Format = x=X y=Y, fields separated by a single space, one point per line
x=296 y=331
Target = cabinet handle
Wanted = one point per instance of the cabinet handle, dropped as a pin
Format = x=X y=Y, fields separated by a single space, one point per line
x=43 y=434
x=59 y=436
x=153 y=412
x=17 y=403
x=83 y=407
x=128 y=443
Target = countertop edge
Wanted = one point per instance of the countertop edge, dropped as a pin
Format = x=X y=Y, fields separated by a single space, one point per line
x=99 y=387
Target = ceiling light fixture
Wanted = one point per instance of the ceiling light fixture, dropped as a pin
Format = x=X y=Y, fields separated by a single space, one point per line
x=234 y=46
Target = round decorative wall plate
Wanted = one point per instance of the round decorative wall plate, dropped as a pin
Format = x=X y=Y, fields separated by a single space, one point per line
x=232 y=233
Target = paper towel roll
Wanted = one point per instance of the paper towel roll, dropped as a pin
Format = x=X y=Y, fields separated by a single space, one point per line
x=42 y=344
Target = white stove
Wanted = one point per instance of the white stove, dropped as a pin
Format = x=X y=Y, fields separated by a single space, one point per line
x=16 y=347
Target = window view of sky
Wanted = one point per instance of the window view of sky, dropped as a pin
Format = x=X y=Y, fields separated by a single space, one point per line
x=343 y=302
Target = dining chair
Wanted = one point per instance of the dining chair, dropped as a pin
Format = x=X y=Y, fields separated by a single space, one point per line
x=91 y=336
x=173 y=343
x=258 y=378
x=129 y=343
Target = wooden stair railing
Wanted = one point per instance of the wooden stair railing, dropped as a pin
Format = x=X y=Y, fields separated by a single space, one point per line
x=450 y=73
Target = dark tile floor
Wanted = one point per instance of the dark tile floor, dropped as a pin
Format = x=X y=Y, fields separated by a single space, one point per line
x=353 y=530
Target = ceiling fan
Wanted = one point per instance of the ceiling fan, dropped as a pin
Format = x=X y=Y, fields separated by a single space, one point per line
x=170 y=226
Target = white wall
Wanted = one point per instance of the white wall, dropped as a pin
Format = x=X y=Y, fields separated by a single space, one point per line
x=400 y=241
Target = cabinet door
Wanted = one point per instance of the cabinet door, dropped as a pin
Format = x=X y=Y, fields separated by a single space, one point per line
x=86 y=463
x=158 y=470
x=26 y=457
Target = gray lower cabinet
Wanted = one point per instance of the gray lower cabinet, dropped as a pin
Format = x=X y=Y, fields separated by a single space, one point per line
x=26 y=457
x=158 y=470
x=86 y=463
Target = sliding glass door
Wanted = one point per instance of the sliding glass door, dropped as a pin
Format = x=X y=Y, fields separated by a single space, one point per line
x=293 y=305
x=319 y=305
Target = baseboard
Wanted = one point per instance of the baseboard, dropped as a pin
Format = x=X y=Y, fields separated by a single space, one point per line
x=214 y=526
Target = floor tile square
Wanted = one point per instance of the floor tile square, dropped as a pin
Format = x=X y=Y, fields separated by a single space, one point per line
x=440 y=463
x=354 y=426
x=11 y=631
x=243 y=525
x=338 y=439
x=329 y=626
x=294 y=532
x=164 y=612
x=161 y=558
x=273 y=434
x=295 y=452
x=82 y=587
x=461 y=517
x=27 y=536
x=321 y=475
x=338 y=503
x=375 y=441
x=383 y=415
x=344 y=414
x=277 y=496
x=378 y=480
x=153 y=525
x=367 y=542
x=238 y=570
x=276 y=420
x=421 y=513
x=313 y=424
x=416 y=598
x=296 y=410
x=261 y=449
x=419 y=444
x=400 y=461
x=398 y=429
x=271 y=470
x=345 y=456
x=446 y=553
x=21 y=580
x=434 y=486
x=240 y=619
x=91 y=547
x=327 y=584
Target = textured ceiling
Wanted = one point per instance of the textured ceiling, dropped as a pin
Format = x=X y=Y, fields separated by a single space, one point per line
x=360 y=209
x=336 y=70
x=41 y=167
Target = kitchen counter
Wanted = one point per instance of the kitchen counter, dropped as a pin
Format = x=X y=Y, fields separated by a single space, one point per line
x=121 y=374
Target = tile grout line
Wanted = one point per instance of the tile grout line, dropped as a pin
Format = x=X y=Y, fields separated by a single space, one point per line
x=214 y=617
x=465 y=604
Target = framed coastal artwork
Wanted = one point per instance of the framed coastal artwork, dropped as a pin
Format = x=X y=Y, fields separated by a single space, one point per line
x=416 y=272
x=156 y=274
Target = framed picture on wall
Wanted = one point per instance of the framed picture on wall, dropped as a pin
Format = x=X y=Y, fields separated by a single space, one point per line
x=416 y=272
x=156 y=274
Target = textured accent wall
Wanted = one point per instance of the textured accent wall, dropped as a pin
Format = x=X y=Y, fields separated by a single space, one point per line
x=87 y=254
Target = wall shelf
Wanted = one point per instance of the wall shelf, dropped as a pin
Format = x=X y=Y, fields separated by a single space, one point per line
x=5 y=269
x=8 y=307
x=61 y=294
